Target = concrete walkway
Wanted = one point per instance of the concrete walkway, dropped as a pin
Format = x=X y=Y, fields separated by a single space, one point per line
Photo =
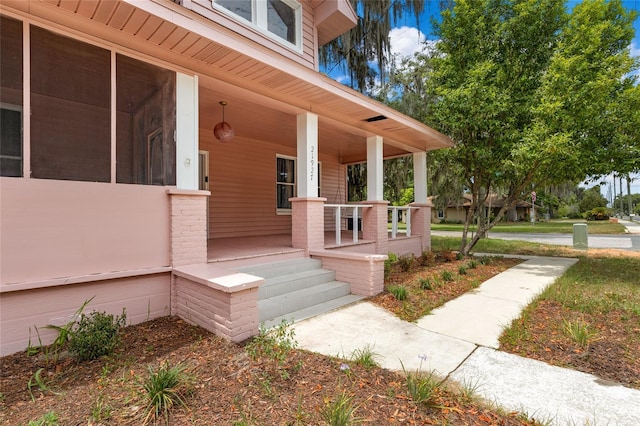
x=460 y=339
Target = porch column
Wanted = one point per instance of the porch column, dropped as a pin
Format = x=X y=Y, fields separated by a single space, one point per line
x=420 y=177
x=186 y=131
x=374 y=219
x=421 y=217
x=188 y=226
x=307 y=209
x=375 y=170
x=421 y=223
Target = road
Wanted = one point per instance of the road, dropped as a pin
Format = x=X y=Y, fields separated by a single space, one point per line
x=629 y=241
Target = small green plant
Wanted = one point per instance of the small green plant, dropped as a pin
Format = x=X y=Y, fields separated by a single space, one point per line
x=462 y=270
x=96 y=335
x=446 y=276
x=365 y=357
x=47 y=419
x=64 y=332
x=579 y=332
x=425 y=284
x=100 y=410
x=421 y=386
x=472 y=264
x=387 y=269
x=398 y=291
x=392 y=258
x=164 y=388
x=40 y=382
x=406 y=262
x=340 y=411
x=275 y=343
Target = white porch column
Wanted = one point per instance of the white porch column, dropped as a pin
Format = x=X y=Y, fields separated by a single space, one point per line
x=420 y=177
x=307 y=209
x=375 y=170
x=307 y=163
x=186 y=131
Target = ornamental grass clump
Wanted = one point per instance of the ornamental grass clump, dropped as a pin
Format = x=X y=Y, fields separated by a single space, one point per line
x=163 y=389
x=398 y=291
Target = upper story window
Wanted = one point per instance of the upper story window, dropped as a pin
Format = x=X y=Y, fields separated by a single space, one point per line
x=280 y=18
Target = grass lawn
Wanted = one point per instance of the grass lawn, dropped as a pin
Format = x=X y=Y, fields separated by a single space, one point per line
x=588 y=320
x=559 y=226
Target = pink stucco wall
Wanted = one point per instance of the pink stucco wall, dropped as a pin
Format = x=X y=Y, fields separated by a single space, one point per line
x=24 y=314
x=53 y=229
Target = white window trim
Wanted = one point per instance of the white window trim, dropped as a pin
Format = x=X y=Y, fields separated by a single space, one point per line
x=281 y=211
x=260 y=24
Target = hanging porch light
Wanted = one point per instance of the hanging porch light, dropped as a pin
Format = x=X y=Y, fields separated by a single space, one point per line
x=223 y=130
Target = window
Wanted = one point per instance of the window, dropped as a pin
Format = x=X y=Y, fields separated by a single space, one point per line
x=70 y=108
x=146 y=120
x=286 y=182
x=278 y=17
x=71 y=129
x=11 y=96
x=11 y=140
x=440 y=214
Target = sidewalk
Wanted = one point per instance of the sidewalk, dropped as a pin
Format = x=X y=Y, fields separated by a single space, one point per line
x=460 y=339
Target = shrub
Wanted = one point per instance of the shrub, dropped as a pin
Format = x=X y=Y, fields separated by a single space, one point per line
x=472 y=264
x=462 y=270
x=406 y=262
x=598 y=213
x=96 y=335
x=398 y=291
x=428 y=258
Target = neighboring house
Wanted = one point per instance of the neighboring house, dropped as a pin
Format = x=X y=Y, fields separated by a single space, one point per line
x=114 y=186
x=457 y=212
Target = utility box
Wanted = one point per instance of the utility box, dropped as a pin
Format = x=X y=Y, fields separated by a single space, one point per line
x=580 y=236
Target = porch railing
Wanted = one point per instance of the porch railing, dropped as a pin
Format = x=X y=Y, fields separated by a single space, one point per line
x=394 y=219
x=355 y=215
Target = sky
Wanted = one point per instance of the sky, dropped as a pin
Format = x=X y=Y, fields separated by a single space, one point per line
x=407 y=38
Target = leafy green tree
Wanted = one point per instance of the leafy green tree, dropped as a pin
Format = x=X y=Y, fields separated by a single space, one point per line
x=368 y=42
x=587 y=100
x=504 y=78
x=492 y=56
x=592 y=198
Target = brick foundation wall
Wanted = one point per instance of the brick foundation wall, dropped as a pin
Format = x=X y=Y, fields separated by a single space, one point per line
x=365 y=272
x=307 y=223
x=421 y=224
x=233 y=316
x=188 y=227
x=374 y=225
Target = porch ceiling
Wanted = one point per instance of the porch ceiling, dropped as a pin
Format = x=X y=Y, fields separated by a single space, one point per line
x=260 y=85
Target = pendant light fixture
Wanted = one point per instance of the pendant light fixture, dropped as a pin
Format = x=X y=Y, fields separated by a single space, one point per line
x=223 y=130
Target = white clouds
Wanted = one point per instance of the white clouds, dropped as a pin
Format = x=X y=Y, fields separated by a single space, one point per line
x=405 y=41
x=635 y=49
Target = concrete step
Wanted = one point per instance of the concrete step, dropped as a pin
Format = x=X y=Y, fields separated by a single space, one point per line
x=284 y=284
x=275 y=269
x=314 y=310
x=296 y=300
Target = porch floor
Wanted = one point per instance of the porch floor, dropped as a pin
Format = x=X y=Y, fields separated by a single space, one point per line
x=236 y=248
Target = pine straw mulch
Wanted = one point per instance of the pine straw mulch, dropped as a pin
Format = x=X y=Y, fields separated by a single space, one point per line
x=229 y=388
